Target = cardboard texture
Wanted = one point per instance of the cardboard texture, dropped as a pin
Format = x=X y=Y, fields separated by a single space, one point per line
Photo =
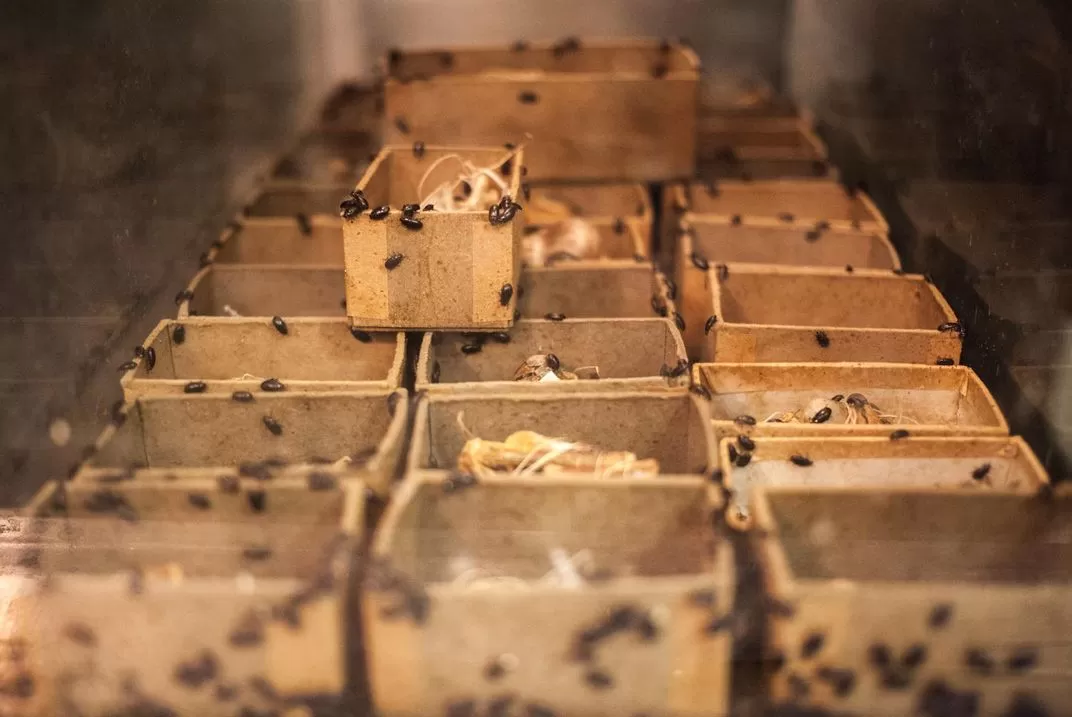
x=650 y=539
x=325 y=158
x=230 y=355
x=673 y=427
x=265 y=290
x=925 y=400
x=774 y=314
x=629 y=354
x=718 y=243
x=294 y=241
x=969 y=464
x=781 y=146
x=189 y=594
x=749 y=212
x=602 y=205
x=617 y=240
x=965 y=595
x=347 y=434
x=619 y=111
x=595 y=290
x=452 y=272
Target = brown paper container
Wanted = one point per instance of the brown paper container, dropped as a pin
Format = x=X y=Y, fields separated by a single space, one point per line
x=966 y=586
x=195 y=592
x=929 y=400
x=879 y=463
x=454 y=271
x=316 y=354
x=630 y=355
x=570 y=101
x=650 y=537
x=615 y=289
x=774 y=314
x=265 y=290
x=605 y=206
x=211 y=435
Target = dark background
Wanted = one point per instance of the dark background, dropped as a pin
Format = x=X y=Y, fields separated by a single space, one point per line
x=131 y=132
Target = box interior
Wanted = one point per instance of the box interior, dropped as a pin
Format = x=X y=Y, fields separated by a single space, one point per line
x=985 y=537
x=270 y=291
x=620 y=349
x=532 y=62
x=847 y=300
x=214 y=430
x=936 y=402
x=805 y=200
x=282 y=241
x=231 y=350
x=790 y=246
x=610 y=200
x=397 y=180
x=666 y=427
x=288 y=201
x=173 y=537
x=509 y=531
x=588 y=292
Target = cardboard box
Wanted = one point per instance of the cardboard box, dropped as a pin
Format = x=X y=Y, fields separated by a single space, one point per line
x=448 y=270
x=742 y=148
x=717 y=242
x=883 y=601
x=969 y=464
x=749 y=211
x=602 y=205
x=595 y=290
x=228 y=355
x=774 y=314
x=673 y=427
x=315 y=241
x=277 y=434
x=164 y=598
x=925 y=400
x=615 y=111
x=617 y=240
x=264 y=290
x=628 y=354
x=546 y=648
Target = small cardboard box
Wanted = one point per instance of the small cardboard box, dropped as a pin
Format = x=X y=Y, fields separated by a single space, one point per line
x=619 y=111
x=774 y=314
x=302 y=241
x=325 y=158
x=601 y=205
x=494 y=632
x=744 y=148
x=228 y=355
x=182 y=598
x=925 y=400
x=673 y=426
x=716 y=242
x=627 y=354
x=749 y=211
x=353 y=435
x=441 y=270
x=596 y=290
x=264 y=290
x=885 y=601
x=971 y=464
